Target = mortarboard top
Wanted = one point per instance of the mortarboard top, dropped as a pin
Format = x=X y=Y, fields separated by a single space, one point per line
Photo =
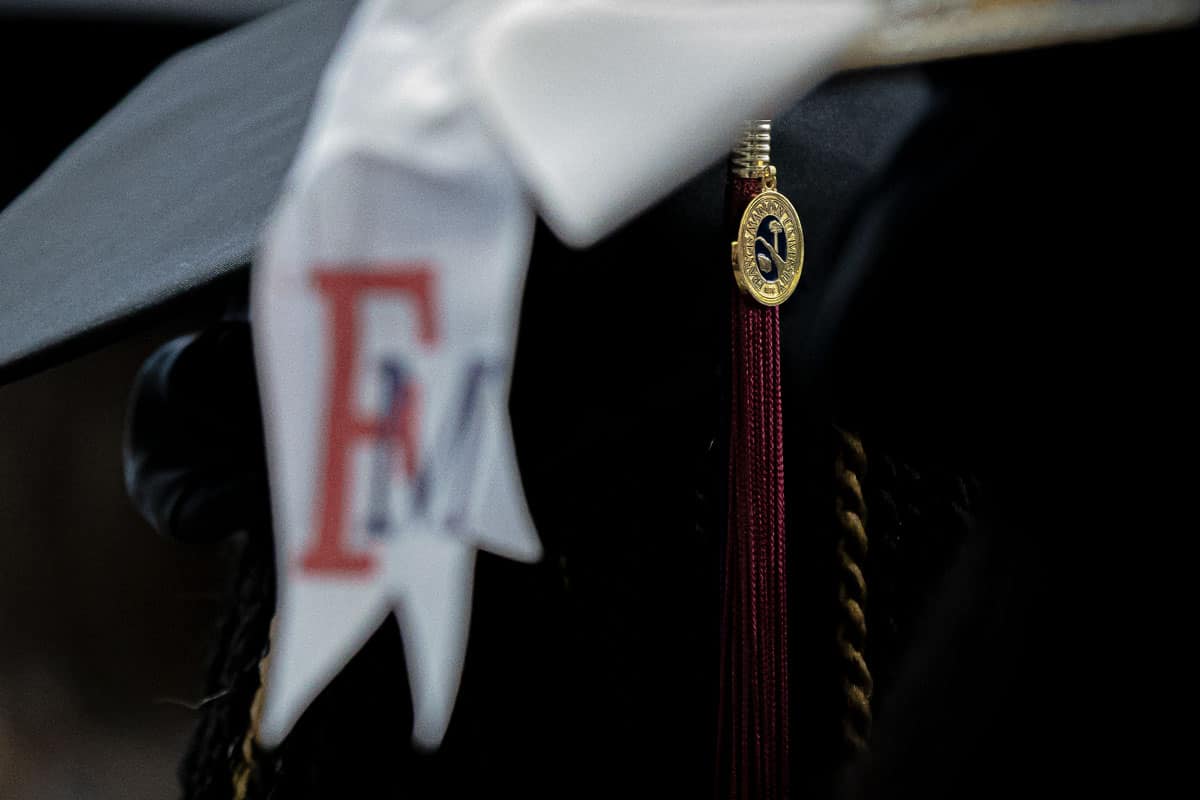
x=193 y=10
x=168 y=192
x=164 y=195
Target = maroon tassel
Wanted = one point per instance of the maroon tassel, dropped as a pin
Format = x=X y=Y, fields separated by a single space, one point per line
x=753 y=758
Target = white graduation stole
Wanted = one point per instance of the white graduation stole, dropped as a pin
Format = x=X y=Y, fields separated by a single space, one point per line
x=386 y=296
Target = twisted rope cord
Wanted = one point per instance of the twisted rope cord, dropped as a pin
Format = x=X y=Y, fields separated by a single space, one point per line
x=245 y=769
x=850 y=466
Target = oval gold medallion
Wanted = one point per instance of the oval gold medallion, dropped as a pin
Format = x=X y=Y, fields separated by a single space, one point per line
x=769 y=252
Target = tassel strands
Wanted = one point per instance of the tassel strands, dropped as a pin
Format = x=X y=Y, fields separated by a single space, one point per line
x=754 y=741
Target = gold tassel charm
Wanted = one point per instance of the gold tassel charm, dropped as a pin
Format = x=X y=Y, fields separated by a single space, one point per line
x=768 y=255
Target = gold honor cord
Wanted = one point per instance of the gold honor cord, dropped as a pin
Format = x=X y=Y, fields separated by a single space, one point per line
x=245 y=768
x=850 y=466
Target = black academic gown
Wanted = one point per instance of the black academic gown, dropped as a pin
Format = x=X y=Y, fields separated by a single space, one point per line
x=963 y=306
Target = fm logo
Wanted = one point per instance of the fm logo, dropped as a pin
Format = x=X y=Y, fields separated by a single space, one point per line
x=395 y=433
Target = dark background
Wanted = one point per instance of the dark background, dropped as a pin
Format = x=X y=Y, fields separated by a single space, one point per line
x=103 y=624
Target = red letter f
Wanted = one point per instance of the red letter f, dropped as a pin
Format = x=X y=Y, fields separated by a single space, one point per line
x=343 y=290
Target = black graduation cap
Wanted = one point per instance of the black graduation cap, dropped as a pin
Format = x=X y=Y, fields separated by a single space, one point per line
x=166 y=194
x=968 y=232
x=195 y=10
